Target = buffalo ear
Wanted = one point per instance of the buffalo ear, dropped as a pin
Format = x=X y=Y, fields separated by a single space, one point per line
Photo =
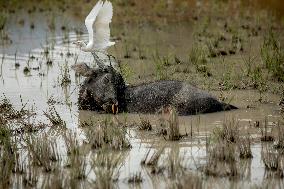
x=96 y=72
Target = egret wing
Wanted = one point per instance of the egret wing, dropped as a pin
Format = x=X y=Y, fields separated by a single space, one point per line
x=90 y=19
x=101 y=26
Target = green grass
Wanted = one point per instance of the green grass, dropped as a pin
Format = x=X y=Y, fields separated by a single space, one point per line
x=273 y=56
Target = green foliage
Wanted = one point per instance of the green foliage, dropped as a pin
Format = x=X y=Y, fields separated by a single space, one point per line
x=126 y=71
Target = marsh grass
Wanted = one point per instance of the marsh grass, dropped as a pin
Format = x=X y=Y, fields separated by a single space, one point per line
x=43 y=151
x=250 y=63
x=189 y=180
x=3 y=20
x=279 y=138
x=58 y=180
x=106 y=166
x=144 y=124
x=222 y=150
x=54 y=117
x=127 y=53
x=161 y=63
x=273 y=162
x=71 y=142
x=266 y=132
x=78 y=165
x=6 y=163
x=229 y=131
x=135 y=178
x=31 y=176
x=259 y=81
x=221 y=160
x=8 y=111
x=151 y=160
x=65 y=75
x=244 y=145
x=107 y=134
x=174 y=164
x=4 y=36
x=197 y=55
x=169 y=124
x=273 y=56
x=173 y=126
x=236 y=42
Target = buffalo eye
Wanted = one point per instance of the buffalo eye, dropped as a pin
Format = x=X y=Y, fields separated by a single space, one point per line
x=106 y=80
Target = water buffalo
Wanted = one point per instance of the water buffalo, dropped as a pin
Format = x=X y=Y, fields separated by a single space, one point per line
x=104 y=90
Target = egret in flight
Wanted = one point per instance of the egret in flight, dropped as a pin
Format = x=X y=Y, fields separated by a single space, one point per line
x=97 y=23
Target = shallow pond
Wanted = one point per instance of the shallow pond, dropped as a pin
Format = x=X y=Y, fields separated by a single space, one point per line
x=35 y=69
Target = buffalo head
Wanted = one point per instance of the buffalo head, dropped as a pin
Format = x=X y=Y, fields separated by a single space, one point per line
x=104 y=87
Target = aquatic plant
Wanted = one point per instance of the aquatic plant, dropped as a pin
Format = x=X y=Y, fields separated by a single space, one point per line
x=151 y=160
x=106 y=167
x=8 y=111
x=273 y=162
x=43 y=151
x=174 y=164
x=107 y=134
x=7 y=161
x=78 y=164
x=31 y=176
x=59 y=179
x=229 y=131
x=266 y=134
x=144 y=124
x=71 y=142
x=135 y=178
x=244 y=145
x=279 y=138
x=173 y=125
x=221 y=160
x=65 y=75
x=55 y=118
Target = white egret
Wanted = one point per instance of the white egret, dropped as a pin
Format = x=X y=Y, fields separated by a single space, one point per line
x=97 y=23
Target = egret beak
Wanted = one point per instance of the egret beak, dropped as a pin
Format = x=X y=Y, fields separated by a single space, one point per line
x=114 y=109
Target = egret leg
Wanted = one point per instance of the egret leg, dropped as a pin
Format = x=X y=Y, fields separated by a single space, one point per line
x=98 y=60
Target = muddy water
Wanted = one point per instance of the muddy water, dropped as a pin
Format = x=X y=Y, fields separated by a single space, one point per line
x=43 y=83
